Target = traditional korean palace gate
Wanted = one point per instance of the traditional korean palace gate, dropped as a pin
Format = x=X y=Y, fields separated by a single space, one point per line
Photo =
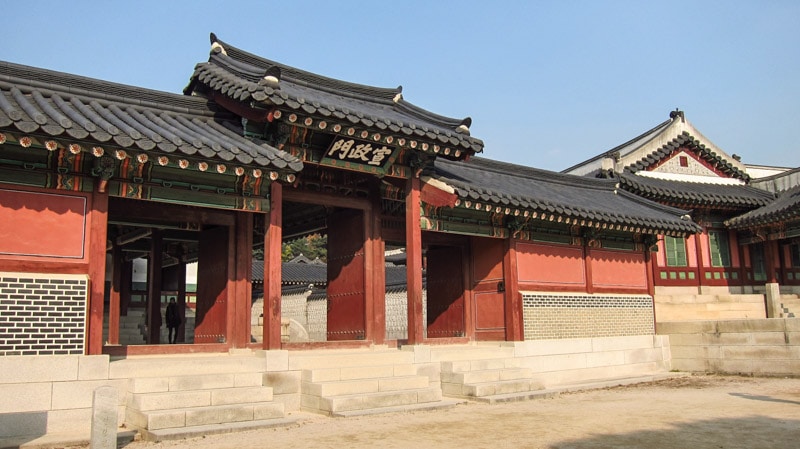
x=257 y=153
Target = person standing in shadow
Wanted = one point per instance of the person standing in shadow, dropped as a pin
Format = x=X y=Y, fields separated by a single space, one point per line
x=173 y=320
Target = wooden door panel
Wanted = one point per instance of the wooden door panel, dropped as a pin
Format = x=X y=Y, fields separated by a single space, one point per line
x=346 y=285
x=488 y=289
x=490 y=316
x=445 y=285
x=212 y=286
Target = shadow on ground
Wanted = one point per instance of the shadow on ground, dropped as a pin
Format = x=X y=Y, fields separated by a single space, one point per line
x=746 y=432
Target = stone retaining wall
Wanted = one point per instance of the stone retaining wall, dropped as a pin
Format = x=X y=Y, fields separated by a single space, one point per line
x=50 y=394
x=763 y=347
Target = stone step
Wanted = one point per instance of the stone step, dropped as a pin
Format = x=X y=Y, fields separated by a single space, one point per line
x=187 y=364
x=461 y=366
x=471 y=353
x=706 y=299
x=485 y=389
x=364 y=386
x=179 y=433
x=194 y=382
x=123 y=325
x=145 y=402
x=199 y=416
x=373 y=402
x=348 y=359
x=357 y=372
x=484 y=376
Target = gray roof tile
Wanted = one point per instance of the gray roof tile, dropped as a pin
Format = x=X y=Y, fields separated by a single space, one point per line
x=566 y=196
x=783 y=209
x=695 y=194
x=372 y=108
x=55 y=104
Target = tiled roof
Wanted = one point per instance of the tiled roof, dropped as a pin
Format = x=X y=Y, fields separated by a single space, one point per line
x=303 y=274
x=69 y=108
x=626 y=147
x=716 y=160
x=294 y=273
x=658 y=144
x=784 y=208
x=695 y=194
x=546 y=195
x=331 y=104
x=396 y=276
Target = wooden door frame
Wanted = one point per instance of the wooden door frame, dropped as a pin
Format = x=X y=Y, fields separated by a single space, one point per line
x=375 y=284
x=433 y=238
x=157 y=212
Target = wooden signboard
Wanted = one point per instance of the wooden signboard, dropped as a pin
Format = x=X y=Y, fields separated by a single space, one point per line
x=359 y=155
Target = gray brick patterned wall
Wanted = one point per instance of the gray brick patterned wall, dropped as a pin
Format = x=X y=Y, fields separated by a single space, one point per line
x=553 y=315
x=42 y=314
x=397 y=313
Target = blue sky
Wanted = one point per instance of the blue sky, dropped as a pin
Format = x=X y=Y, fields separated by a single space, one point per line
x=547 y=83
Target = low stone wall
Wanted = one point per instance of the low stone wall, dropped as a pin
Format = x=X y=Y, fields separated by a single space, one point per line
x=51 y=394
x=678 y=306
x=763 y=347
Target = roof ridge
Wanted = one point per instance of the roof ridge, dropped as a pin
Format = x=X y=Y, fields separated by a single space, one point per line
x=653 y=204
x=557 y=177
x=426 y=114
x=609 y=152
x=294 y=74
x=254 y=67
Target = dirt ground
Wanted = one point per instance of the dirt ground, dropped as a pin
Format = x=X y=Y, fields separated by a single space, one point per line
x=691 y=412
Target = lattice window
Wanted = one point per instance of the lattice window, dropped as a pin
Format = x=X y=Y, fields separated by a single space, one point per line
x=675 y=249
x=795 y=251
x=720 y=249
x=759 y=262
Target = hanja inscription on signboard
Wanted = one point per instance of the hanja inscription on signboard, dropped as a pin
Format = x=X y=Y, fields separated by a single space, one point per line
x=352 y=150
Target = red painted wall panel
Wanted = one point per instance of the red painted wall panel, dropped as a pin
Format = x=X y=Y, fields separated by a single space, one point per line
x=622 y=269
x=552 y=265
x=487 y=260
x=42 y=224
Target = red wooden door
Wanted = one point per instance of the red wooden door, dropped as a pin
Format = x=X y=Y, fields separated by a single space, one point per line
x=488 y=289
x=212 y=286
x=346 y=289
x=445 y=285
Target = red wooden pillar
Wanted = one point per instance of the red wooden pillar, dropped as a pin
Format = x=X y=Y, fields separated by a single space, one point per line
x=376 y=272
x=414 y=262
x=587 y=264
x=650 y=271
x=98 y=232
x=181 y=300
x=272 y=270
x=125 y=286
x=515 y=322
x=698 y=248
x=114 y=297
x=154 y=263
x=651 y=288
x=770 y=251
x=239 y=306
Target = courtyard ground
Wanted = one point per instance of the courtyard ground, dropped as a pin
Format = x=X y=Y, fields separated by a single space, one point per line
x=701 y=411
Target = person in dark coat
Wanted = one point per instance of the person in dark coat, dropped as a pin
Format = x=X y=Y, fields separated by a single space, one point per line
x=173 y=320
